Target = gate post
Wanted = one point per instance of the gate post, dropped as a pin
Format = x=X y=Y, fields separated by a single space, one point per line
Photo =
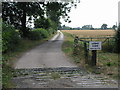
x=86 y=53
x=75 y=52
x=94 y=56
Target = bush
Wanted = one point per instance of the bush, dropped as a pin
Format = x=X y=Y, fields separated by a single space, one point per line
x=38 y=34
x=34 y=35
x=50 y=31
x=43 y=32
x=10 y=37
x=53 y=27
x=109 y=47
x=117 y=40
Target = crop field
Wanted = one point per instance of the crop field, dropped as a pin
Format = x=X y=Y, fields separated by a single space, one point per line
x=91 y=33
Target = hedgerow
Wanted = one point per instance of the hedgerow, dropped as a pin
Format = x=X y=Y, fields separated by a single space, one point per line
x=117 y=40
x=10 y=38
x=37 y=34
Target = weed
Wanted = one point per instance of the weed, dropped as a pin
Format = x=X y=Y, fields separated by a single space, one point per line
x=109 y=64
x=55 y=75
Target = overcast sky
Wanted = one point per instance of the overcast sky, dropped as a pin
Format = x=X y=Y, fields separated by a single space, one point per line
x=94 y=12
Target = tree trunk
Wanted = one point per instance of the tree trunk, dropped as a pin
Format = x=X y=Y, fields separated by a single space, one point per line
x=23 y=20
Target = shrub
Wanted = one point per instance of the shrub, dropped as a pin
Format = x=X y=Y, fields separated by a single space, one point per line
x=34 y=35
x=38 y=34
x=117 y=40
x=10 y=37
x=53 y=26
x=43 y=32
x=50 y=31
x=108 y=47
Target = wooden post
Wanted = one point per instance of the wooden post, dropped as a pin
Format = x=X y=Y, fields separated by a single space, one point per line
x=75 y=51
x=94 y=56
x=86 y=52
x=91 y=39
x=108 y=42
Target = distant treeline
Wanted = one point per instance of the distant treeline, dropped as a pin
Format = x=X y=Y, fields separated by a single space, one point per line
x=68 y=28
x=87 y=27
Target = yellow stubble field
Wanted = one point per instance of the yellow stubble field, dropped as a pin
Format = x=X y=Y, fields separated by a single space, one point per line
x=91 y=33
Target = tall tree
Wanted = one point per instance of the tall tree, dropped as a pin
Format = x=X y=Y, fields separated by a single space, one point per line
x=42 y=23
x=117 y=40
x=104 y=26
x=15 y=13
x=55 y=11
x=114 y=27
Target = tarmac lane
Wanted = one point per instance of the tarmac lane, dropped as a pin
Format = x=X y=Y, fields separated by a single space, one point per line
x=46 y=55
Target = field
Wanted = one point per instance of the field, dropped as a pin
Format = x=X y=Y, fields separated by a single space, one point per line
x=107 y=60
x=91 y=33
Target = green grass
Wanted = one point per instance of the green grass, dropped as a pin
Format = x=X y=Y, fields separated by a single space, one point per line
x=107 y=62
x=6 y=76
x=68 y=49
x=55 y=75
x=9 y=58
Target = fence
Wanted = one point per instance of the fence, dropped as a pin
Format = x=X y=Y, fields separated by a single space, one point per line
x=85 y=42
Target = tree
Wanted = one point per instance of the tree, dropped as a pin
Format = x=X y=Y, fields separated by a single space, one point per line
x=55 y=11
x=117 y=40
x=114 y=27
x=42 y=23
x=104 y=26
x=15 y=13
x=87 y=27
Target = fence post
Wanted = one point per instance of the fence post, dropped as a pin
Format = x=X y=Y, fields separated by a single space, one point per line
x=108 y=42
x=86 y=52
x=75 y=52
x=94 y=56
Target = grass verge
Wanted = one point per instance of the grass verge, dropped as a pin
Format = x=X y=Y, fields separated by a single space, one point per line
x=9 y=58
x=107 y=63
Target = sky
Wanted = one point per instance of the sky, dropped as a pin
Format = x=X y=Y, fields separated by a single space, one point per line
x=94 y=12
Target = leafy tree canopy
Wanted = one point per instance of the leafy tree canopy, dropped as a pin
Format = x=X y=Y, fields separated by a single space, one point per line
x=104 y=26
x=15 y=13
